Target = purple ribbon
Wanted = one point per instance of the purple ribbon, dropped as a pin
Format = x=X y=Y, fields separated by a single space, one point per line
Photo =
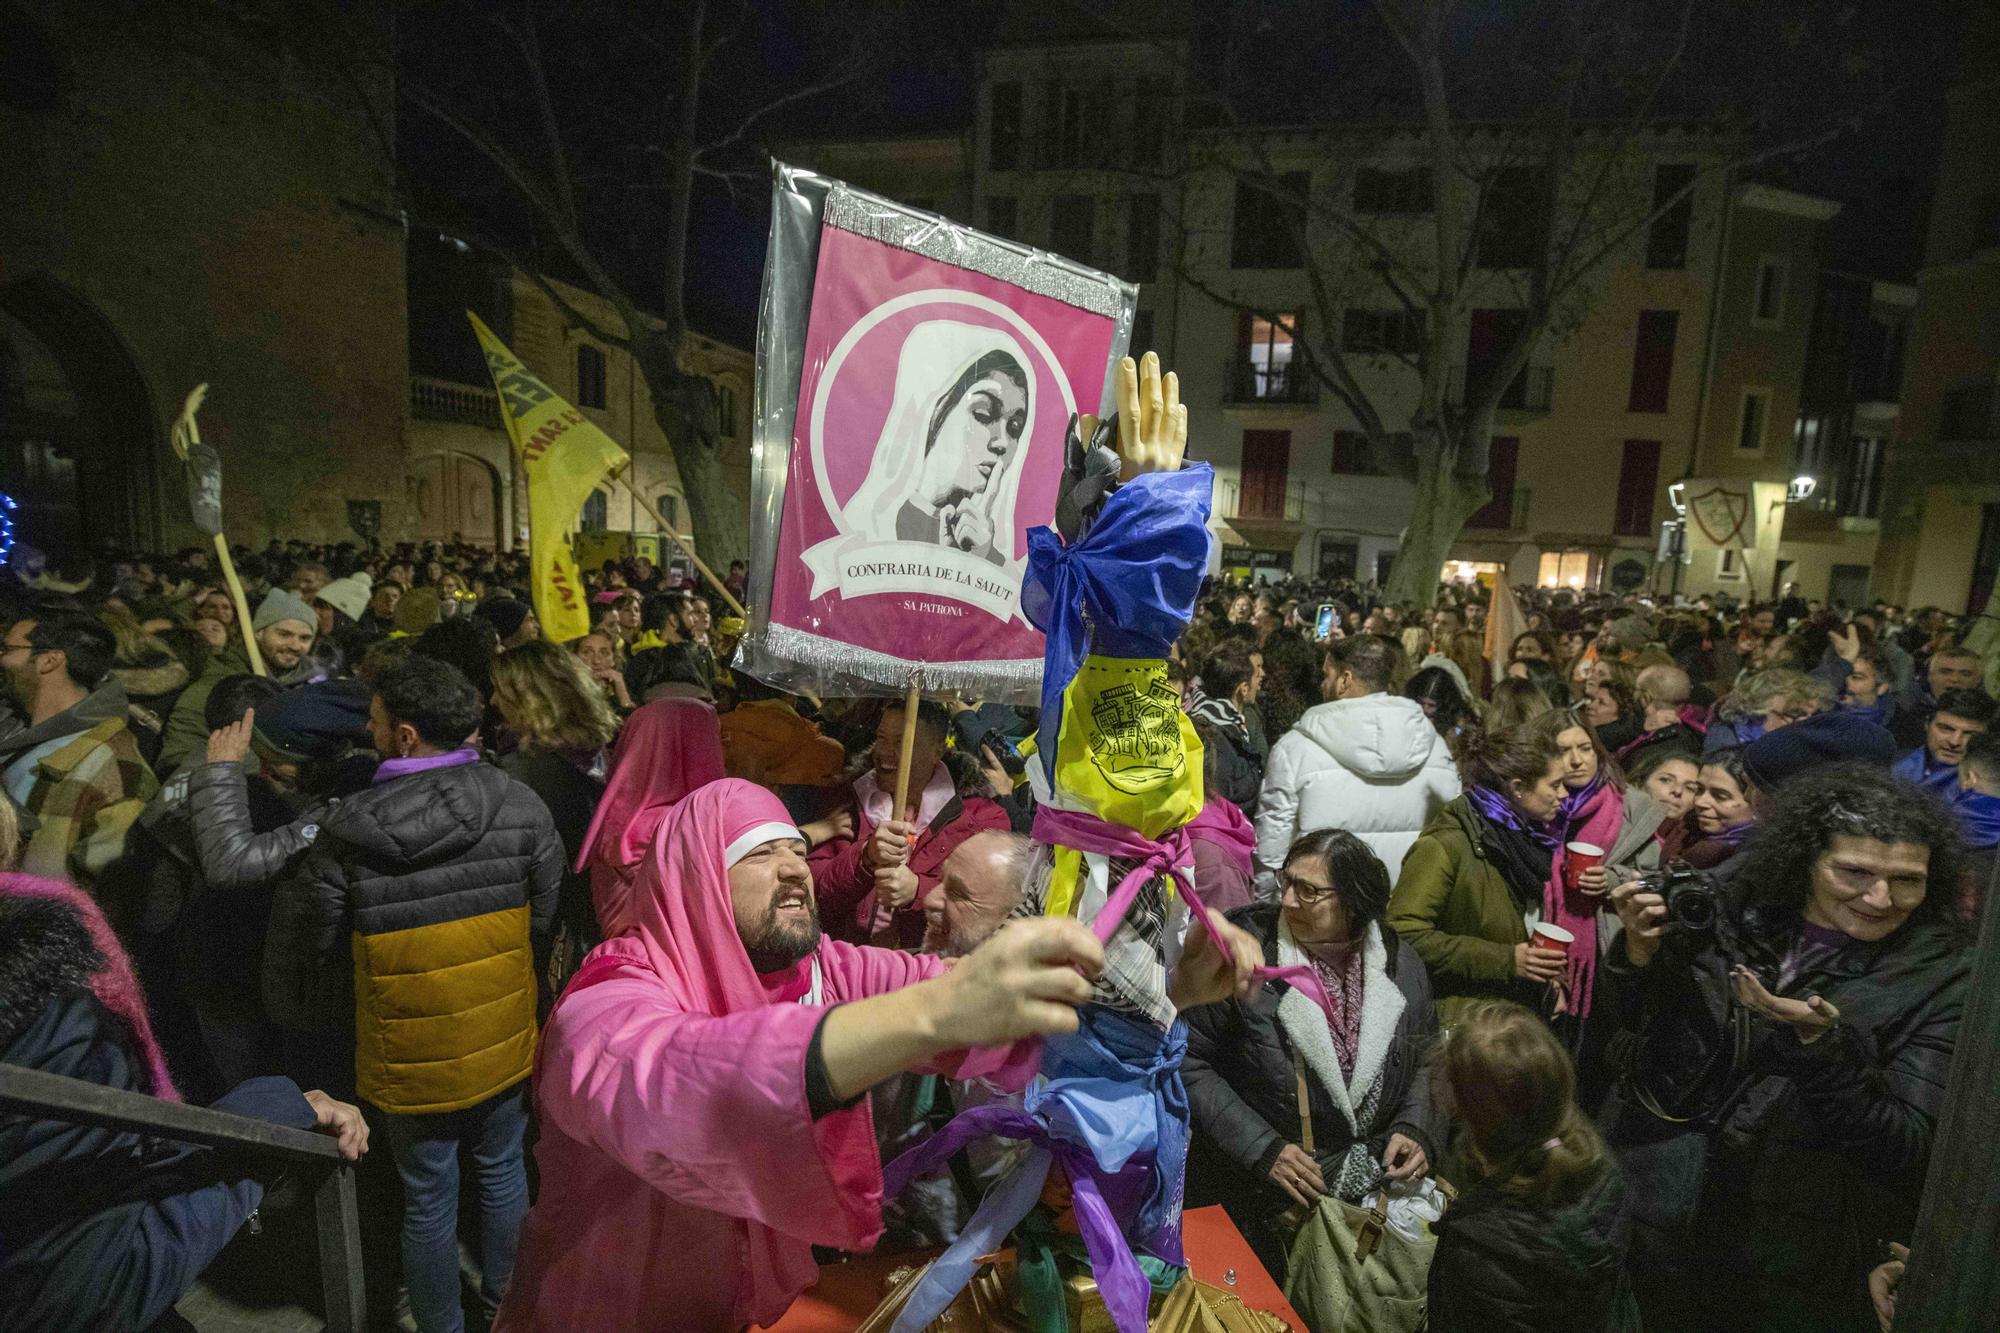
x=1124 y=1287
x=1167 y=856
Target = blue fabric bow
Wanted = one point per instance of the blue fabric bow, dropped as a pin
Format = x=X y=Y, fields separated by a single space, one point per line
x=1113 y=1113
x=1132 y=580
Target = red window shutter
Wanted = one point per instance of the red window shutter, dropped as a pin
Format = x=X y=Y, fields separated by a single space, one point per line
x=1638 y=477
x=1502 y=456
x=1653 y=360
x=1266 y=461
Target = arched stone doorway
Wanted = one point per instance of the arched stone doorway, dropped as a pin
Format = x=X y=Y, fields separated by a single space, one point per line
x=78 y=433
x=456 y=498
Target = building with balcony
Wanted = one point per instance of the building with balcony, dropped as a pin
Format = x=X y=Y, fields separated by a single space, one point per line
x=1685 y=360
x=1940 y=541
x=463 y=482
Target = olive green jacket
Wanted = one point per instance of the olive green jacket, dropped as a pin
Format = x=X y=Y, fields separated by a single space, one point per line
x=1451 y=905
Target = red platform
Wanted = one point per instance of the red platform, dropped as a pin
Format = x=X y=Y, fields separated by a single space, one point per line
x=846 y=1292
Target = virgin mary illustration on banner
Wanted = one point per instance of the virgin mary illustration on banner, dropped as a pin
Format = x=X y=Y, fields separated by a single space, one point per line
x=947 y=467
x=936 y=509
x=916 y=381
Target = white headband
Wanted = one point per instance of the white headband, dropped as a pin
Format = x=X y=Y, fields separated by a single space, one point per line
x=753 y=838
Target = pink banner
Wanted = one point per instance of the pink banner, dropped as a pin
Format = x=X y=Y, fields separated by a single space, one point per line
x=929 y=439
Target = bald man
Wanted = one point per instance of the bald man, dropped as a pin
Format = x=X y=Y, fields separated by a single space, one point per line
x=979 y=886
x=1663 y=694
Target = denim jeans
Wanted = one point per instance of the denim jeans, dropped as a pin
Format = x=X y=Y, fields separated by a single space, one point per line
x=426 y=1152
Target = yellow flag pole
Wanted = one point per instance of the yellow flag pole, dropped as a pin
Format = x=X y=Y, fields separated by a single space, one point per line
x=186 y=434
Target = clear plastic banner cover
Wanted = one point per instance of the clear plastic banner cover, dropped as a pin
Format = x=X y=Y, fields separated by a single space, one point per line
x=915 y=381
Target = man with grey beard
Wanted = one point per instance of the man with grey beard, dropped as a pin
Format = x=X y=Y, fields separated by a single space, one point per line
x=980 y=886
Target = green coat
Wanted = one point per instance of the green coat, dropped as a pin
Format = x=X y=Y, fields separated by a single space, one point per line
x=186 y=736
x=1452 y=906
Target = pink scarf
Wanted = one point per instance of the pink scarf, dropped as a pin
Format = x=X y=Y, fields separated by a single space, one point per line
x=115 y=985
x=1596 y=822
x=1220 y=824
x=665 y=750
x=931 y=801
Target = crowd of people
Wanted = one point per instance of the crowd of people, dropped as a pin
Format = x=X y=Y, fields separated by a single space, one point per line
x=1647 y=929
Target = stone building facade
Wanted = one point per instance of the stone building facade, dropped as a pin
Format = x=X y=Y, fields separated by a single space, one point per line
x=185 y=210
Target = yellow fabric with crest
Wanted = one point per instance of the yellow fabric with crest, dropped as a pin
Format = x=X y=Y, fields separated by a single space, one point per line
x=1128 y=754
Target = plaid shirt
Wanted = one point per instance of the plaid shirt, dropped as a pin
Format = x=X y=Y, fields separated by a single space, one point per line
x=86 y=797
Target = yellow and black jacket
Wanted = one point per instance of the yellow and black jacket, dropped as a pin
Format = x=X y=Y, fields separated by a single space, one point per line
x=428 y=900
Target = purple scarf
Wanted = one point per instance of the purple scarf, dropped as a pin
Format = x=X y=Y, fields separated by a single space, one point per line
x=391 y=769
x=1503 y=813
x=1573 y=803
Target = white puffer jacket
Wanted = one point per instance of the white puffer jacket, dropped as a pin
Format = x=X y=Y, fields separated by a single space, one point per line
x=1373 y=766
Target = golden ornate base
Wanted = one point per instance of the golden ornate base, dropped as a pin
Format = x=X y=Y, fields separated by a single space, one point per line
x=989 y=1304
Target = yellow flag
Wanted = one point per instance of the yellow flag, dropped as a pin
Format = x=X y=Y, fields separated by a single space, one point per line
x=564 y=457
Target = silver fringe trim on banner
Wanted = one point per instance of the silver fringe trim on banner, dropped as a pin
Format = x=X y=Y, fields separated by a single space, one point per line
x=932 y=237
x=1017 y=680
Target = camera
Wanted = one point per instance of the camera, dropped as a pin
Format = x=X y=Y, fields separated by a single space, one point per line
x=1693 y=898
x=1005 y=751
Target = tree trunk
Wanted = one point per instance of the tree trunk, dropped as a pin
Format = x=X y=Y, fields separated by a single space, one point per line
x=1444 y=501
x=721 y=529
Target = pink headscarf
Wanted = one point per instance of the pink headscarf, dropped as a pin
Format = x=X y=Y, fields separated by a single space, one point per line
x=680 y=908
x=665 y=750
x=1223 y=826
x=115 y=985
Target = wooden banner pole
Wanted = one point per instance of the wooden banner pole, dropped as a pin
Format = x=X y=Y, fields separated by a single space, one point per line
x=887 y=937
x=242 y=604
x=910 y=701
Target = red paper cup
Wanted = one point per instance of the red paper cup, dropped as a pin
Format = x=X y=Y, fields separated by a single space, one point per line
x=1551 y=937
x=1579 y=857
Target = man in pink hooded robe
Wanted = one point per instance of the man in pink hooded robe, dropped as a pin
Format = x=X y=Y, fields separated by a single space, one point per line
x=702 y=1119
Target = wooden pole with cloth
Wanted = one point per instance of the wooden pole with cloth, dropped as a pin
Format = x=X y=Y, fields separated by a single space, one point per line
x=204 y=468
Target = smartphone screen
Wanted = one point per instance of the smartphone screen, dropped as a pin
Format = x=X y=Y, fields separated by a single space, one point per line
x=1324 y=627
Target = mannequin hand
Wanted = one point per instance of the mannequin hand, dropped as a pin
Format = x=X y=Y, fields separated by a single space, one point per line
x=1152 y=422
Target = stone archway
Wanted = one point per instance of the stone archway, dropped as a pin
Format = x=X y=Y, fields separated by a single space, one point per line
x=78 y=433
x=455 y=498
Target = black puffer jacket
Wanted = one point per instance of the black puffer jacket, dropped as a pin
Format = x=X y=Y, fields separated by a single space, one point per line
x=422 y=914
x=1502 y=1267
x=1770 y=1208
x=101 y=1228
x=1243 y=1086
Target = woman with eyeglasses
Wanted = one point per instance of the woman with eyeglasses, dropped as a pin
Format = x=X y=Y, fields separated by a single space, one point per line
x=1472 y=884
x=1359 y=1061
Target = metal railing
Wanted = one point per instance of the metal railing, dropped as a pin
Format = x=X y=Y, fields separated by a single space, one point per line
x=444 y=400
x=1235 y=504
x=1530 y=391
x=46 y=1096
x=1244 y=381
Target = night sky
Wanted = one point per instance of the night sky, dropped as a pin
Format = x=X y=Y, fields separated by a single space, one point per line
x=1882 y=67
